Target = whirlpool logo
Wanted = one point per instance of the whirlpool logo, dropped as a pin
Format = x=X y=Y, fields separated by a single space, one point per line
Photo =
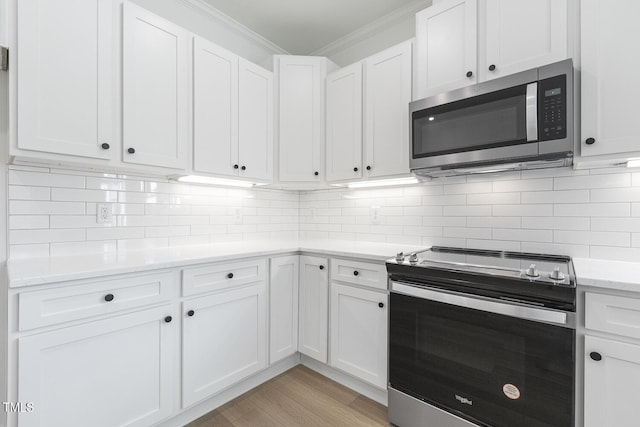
x=464 y=400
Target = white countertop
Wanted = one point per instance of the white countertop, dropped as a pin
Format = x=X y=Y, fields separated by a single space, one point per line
x=620 y=275
x=38 y=271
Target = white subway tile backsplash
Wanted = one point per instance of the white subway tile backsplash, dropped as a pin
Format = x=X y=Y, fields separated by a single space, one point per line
x=592 y=181
x=62 y=249
x=95 y=183
x=593 y=209
x=467 y=233
x=19 y=207
x=468 y=188
x=523 y=185
x=76 y=195
x=26 y=222
x=75 y=221
x=494 y=199
x=167 y=231
x=141 y=244
x=29 y=251
x=17 y=177
x=556 y=223
x=523 y=210
x=568 y=196
x=600 y=238
x=115 y=233
x=612 y=195
x=494 y=222
x=22 y=192
x=467 y=211
x=522 y=235
x=615 y=224
x=21 y=237
x=142 y=220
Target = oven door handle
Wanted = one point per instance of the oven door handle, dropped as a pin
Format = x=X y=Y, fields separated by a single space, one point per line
x=485 y=304
x=532 y=112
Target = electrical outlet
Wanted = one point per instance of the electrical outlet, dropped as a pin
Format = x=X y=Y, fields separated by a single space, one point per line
x=236 y=216
x=104 y=213
x=375 y=215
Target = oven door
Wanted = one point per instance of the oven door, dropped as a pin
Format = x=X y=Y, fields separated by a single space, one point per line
x=487 y=367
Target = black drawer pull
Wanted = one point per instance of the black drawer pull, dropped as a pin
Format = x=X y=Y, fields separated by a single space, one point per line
x=105 y=146
x=168 y=319
x=108 y=297
x=595 y=356
x=355 y=273
x=590 y=141
x=321 y=267
x=131 y=150
x=492 y=67
x=230 y=276
x=469 y=74
x=190 y=313
x=381 y=304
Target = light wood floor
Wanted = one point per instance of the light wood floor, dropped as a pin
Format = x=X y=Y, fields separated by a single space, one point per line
x=298 y=397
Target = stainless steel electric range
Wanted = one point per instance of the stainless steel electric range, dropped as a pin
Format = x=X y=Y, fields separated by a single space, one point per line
x=481 y=338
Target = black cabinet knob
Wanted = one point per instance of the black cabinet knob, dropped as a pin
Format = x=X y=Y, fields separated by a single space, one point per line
x=190 y=313
x=230 y=276
x=131 y=150
x=590 y=141
x=355 y=169
x=355 y=273
x=381 y=304
x=105 y=146
x=168 y=319
x=469 y=74
x=244 y=168
x=235 y=166
x=595 y=356
x=316 y=173
x=368 y=168
x=108 y=297
x=321 y=267
x=492 y=67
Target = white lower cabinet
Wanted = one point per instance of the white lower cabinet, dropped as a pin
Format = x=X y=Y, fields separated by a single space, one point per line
x=359 y=333
x=314 y=307
x=611 y=381
x=223 y=340
x=283 y=307
x=112 y=372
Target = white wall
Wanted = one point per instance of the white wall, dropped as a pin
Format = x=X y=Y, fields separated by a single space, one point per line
x=198 y=17
x=388 y=31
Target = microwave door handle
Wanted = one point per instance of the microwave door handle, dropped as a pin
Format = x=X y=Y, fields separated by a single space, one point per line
x=532 y=112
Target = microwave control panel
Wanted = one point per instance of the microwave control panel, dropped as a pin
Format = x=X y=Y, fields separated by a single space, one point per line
x=552 y=108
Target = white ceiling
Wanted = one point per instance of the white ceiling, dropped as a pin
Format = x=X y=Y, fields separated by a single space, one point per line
x=304 y=26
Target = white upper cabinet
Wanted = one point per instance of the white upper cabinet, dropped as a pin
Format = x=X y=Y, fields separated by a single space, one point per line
x=344 y=123
x=610 y=87
x=215 y=109
x=66 y=77
x=446 y=47
x=301 y=122
x=232 y=114
x=155 y=90
x=516 y=35
x=462 y=42
x=387 y=83
x=256 y=122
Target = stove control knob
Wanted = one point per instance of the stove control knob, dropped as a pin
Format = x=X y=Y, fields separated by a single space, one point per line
x=556 y=274
x=532 y=271
x=413 y=259
x=399 y=257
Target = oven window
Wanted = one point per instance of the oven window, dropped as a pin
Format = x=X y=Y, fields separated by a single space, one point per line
x=492 y=369
x=493 y=120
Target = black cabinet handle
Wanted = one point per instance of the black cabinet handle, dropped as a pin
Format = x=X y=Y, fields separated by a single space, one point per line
x=590 y=141
x=190 y=313
x=235 y=166
x=105 y=146
x=492 y=67
x=368 y=168
x=355 y=169
x=469 y=74
x=595 y=356
x=355 y=273
x=322 y=267
x=381 y=304
x=108 y=297
x=316 y=173
x=131 y=150
x=230 y=276
x=244 y=168
x=168 y=319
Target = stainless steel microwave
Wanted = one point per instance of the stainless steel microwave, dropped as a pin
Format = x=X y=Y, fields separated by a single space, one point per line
x=521 y=121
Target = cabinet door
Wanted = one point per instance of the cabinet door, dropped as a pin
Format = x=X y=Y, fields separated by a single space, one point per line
x=388 y=93
x=520 y=34
x=301 y=120
x=344 y=123
x=155 y=85
x=314 y=307
x=610 y=87
x=283 y=307
x=66 y=70
x=256 y=122
x=114 y=372
x=611 y=384
x=223 y=340
x=446 y=47
x=215 y=109
x=359 y=333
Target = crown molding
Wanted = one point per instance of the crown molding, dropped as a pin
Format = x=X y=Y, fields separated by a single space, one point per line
x=374 y=27
x=234 y=25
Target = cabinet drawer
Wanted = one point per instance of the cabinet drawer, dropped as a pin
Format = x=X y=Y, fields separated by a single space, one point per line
x=613 y=314
x=51 y=306
x=359 y=273
x=222 y=276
